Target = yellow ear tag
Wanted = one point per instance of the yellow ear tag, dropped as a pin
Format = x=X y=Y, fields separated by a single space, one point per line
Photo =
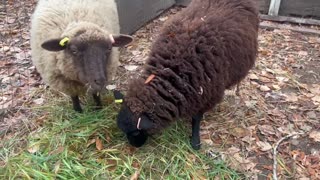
x=118 y=101
x=64 y=41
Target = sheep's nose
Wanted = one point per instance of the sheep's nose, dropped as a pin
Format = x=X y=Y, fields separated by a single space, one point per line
x=99 y=83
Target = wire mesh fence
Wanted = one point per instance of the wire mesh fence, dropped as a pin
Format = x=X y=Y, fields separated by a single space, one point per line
x=17 y=74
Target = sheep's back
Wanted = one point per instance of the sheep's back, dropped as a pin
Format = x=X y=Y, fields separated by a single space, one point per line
x=201 y=52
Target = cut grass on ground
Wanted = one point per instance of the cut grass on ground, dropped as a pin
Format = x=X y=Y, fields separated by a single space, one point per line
x=67 y=146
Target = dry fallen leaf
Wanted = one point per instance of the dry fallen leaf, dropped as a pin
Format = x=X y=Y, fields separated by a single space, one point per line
x=276 y=87
x=163 y=18
x=57 y=167
x=135 y=176
x=282 y=79
x=250 y=104
x=207 y=142
x=264 y=146
x=315 y=89
x=291 y=97
x=306 y=128
x=130 y=150
x=303 y=53
x=39 y=101
x=112 y=164
x=33 y=149
x=266 y=130
x=315 y=135
x=264 y=88
x=10 y=20
x=92 y=141
x=233 y=150
x=59 y=150
x=5 y=49
x=312 y=115
x=131 y=67
x=316 y=99
x=242 y=163
x=276 y=112
x=108 y=138
x=264 y=52
x=240 y=132
x=253 y=77
x=99 y=144
x=135 y=164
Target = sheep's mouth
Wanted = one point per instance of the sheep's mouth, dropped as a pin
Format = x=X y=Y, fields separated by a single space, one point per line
x=137 y=139
x=93 y=89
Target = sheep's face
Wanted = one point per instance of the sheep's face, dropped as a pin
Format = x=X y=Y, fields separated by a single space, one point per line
x=89 y=55
x=134 y=127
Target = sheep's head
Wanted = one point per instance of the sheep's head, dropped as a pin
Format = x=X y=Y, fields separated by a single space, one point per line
x=90 y=55
x=135 y=127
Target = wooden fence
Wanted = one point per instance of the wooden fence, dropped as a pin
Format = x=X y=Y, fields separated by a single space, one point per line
x=134 y=14
x=295 y=8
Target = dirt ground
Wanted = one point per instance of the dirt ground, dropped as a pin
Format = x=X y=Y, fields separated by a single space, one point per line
x=280 y=97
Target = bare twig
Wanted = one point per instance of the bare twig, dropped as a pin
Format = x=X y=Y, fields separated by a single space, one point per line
x=238 y=89
x=275 y=153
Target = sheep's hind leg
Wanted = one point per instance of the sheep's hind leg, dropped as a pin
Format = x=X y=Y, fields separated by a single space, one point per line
x=76 y=104
x=195 y=138
x=97 y=100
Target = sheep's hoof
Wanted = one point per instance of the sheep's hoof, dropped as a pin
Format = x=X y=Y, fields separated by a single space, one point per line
x=97 y=100
x=76 y=104
x=77 y=108
x=195 y=145
x=97 y=108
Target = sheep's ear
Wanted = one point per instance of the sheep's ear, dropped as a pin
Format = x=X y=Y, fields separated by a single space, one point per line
x=145 y=122
x=121 y=40
x=58 y=44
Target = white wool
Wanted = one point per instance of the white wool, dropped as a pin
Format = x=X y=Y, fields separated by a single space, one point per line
x=59 y=18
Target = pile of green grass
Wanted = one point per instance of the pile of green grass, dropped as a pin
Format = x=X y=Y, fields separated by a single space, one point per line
x=66 y=147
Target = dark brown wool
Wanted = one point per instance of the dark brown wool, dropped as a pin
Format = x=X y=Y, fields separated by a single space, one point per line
x=207 y=48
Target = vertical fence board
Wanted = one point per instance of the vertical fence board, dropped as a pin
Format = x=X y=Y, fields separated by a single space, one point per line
x=263 y=4
x=274 y=7
x=133 y=14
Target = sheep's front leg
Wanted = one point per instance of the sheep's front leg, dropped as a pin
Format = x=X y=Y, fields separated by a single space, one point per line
x=97 y=100
x=195 y=138
x=76 y=104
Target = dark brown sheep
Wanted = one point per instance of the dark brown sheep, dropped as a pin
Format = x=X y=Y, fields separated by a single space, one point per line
x=207 y=48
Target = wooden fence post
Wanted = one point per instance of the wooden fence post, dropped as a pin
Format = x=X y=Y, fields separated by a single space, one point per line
x=274 y=7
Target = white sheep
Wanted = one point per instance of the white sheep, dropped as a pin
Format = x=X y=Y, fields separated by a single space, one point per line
x=71 y=45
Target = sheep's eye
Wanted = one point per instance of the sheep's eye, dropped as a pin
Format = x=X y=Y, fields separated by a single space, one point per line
x=73 y=51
